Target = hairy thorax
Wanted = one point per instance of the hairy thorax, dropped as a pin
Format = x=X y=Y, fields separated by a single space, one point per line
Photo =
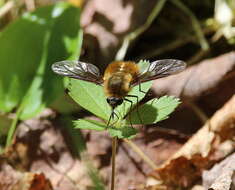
x=118 y=77
x=118 y=85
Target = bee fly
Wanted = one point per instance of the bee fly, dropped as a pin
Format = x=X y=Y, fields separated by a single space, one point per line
x=119 y=76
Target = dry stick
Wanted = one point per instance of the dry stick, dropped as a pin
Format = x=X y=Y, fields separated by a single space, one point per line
x=202 y=150
x=171 y=46
x=197 y=56
x=30 y=5
x=174 y=45
x=114 y=148
x=141 y=154
x=195 y=23
x=198 y=111
x=6 y=8
x=133 y=35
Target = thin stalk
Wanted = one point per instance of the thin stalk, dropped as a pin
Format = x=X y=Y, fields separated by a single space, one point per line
x=198 y=111
x=35 y=84
x=174 y=45
x=12 y=129
x=6 y=8
x=114 y=149
x=133 y=35
x=197 y=56
x=195 y=24
x=141 y=154
x=30 y=5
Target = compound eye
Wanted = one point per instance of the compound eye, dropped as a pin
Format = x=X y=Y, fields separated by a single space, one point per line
x=108 y=100
x=119 y=101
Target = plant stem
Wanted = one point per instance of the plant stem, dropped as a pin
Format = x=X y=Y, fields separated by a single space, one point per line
x=6 y=8
x=114 y=148
x=195 y=24
x=174 y=45
x=12 y=129
x=141 y=154
x=133 y=35
x=30 y=5
x=197 y=56
x=198 y=111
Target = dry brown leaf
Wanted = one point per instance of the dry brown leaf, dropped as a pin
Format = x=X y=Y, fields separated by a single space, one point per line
x=198 y=79
x=220 y=176
x=211 y=143
x=106 y=23
x=11 y=179
x=40 y=147
x=32 y=181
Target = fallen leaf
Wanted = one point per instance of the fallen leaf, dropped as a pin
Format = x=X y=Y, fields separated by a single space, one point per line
x=11 y=179
x=43 y=148
x=106 y=23
x=198 y=79
x=220 y=176
x=201 y=151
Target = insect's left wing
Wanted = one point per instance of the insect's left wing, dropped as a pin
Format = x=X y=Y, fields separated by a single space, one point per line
x=78 y=70
x=159 y=69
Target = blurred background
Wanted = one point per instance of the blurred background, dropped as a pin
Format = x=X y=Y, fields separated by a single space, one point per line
x=37 y=113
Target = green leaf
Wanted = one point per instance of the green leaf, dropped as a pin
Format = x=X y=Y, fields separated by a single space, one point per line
x=90 y=124
x=28 y=47
x=143 y=65
x=122 y=132
x=91 y=97
x=155 y=110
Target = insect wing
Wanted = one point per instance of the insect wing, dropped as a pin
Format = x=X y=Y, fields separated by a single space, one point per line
x=78 y=70
x=159 y=69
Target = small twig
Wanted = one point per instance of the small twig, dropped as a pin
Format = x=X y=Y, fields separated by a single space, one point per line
x=13 y=126
x=114 y=148
x=141 y=154
x=6 y=8
x=133 y=35
x=174 y=45
x=165 y=131
x=30 y=5
x=198 y=111
x=197 y=56
x=195 y=24
x=168 y=47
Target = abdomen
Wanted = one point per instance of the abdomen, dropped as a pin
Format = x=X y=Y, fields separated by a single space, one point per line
x=118 y=77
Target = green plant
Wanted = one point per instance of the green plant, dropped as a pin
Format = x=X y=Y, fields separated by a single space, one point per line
x=28 y=47
x=91 y=97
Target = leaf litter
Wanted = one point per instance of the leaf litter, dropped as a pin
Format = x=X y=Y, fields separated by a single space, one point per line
x=213 y=142
x=40 y=147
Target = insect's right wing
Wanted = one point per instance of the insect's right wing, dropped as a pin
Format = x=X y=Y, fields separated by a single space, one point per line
x=78 y=70
x=159 y=69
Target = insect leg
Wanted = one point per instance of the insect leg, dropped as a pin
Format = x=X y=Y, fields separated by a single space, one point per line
x=141 y=89
x=112 y=117
x=137 y=107
x=130 y=109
